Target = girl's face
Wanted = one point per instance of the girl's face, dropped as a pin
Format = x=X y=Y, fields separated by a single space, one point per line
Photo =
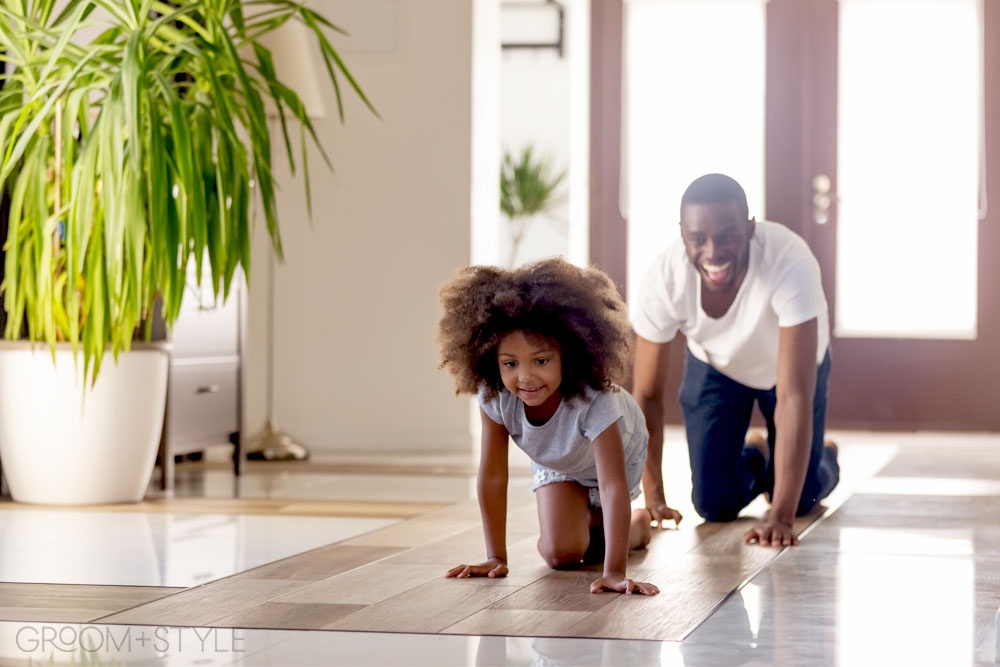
x=531 y=369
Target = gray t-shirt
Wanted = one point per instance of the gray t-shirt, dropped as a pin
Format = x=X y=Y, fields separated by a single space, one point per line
x=565 y=442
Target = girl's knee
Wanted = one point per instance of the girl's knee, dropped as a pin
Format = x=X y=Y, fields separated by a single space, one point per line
x=561 y=556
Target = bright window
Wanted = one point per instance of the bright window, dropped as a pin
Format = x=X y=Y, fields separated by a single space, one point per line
x=694 y=104
x=908 y=179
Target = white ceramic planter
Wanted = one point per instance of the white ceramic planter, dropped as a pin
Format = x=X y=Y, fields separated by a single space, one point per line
x=60 y=445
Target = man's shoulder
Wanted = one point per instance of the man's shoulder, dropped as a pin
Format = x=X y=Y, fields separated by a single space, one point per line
x=785 y=260
x=777 y=232
x=779 y=243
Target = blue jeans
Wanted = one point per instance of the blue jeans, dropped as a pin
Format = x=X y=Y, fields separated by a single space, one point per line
x=726 y=475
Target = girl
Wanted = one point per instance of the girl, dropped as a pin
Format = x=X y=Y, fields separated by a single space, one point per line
x=541 y=347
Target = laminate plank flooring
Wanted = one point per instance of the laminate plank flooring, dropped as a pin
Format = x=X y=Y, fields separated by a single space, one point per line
x=72 y=603
x=316 y=565
x=204 y=605
x=428 y=608
x=366 y=585
x=392 y=580
x=284 y=615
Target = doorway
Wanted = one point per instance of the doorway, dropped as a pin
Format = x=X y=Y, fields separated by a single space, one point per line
x=895 y=370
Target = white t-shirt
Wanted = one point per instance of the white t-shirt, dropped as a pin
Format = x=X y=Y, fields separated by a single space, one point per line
x=782 y=288
x=565 y=442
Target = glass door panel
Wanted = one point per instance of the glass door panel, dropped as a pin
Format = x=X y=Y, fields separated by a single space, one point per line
x=694 y=104
x=909 y=138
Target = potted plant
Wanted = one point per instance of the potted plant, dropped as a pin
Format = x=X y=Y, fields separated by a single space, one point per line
x=135 y=139
x=528 y=188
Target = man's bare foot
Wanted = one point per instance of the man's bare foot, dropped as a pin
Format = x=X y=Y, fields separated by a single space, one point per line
x=640 y=532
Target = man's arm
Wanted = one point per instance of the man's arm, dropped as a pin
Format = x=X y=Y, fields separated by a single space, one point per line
x=796 y=386
x=649 y=377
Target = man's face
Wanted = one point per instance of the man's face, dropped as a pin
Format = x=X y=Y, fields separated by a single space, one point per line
x=717 y=240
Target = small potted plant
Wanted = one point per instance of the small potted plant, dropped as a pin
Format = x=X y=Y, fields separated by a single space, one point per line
x=528 y=188
x=135 y=139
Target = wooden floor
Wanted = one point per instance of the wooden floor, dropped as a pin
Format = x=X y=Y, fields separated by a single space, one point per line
x=391 y=580
x=61 y=603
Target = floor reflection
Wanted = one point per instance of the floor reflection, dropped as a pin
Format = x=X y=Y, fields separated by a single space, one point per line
x=568 y=652
x=852 y=595
x=156 y=549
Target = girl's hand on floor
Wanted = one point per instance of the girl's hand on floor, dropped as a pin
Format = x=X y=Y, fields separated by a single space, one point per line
x=623 y=585
x=492 y=568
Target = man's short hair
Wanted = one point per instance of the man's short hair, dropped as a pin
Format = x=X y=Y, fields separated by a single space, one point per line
x=715 y=189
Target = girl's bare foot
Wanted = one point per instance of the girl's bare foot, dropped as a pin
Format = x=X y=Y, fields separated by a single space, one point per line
x=640 y=531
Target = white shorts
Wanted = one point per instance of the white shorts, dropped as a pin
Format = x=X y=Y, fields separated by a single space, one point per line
x=633 y=472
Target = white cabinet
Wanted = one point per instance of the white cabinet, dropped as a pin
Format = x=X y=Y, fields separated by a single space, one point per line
x=203 y=392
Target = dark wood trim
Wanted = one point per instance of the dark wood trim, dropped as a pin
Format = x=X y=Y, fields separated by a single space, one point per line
x=608 y=240
x=608 y=227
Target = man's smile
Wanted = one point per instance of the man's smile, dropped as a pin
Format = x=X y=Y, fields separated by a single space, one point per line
x=717 y=273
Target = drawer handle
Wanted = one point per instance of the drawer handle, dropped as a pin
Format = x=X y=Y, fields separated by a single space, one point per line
x=209 y=389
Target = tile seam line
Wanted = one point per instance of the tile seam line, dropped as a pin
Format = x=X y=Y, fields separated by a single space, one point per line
x=808 y=529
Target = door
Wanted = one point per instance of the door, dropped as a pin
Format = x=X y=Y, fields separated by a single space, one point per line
x=901 y=372
x=945 y=373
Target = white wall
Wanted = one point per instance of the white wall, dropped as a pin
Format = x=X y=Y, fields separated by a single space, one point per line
x=356 y=305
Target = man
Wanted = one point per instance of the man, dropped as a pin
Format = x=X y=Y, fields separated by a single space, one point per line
x=747 y=296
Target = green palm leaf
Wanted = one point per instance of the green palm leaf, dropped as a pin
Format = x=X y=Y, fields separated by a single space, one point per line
x=527 y=188
x=126 y=155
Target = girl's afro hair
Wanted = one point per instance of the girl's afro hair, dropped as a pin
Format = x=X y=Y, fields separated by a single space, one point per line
x=580 y=308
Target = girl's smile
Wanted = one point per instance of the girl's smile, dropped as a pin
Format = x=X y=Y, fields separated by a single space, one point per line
x=531 y=369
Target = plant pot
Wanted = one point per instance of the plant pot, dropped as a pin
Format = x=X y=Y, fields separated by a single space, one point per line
x=63 y=445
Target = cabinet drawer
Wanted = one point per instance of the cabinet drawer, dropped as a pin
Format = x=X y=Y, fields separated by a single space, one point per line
x=203 y=404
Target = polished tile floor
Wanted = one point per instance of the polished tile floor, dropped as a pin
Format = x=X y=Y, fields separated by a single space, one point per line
x=163 y=549
x=905 y=571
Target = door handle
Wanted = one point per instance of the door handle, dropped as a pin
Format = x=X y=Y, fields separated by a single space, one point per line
x=209 y=389
x=822 y=199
